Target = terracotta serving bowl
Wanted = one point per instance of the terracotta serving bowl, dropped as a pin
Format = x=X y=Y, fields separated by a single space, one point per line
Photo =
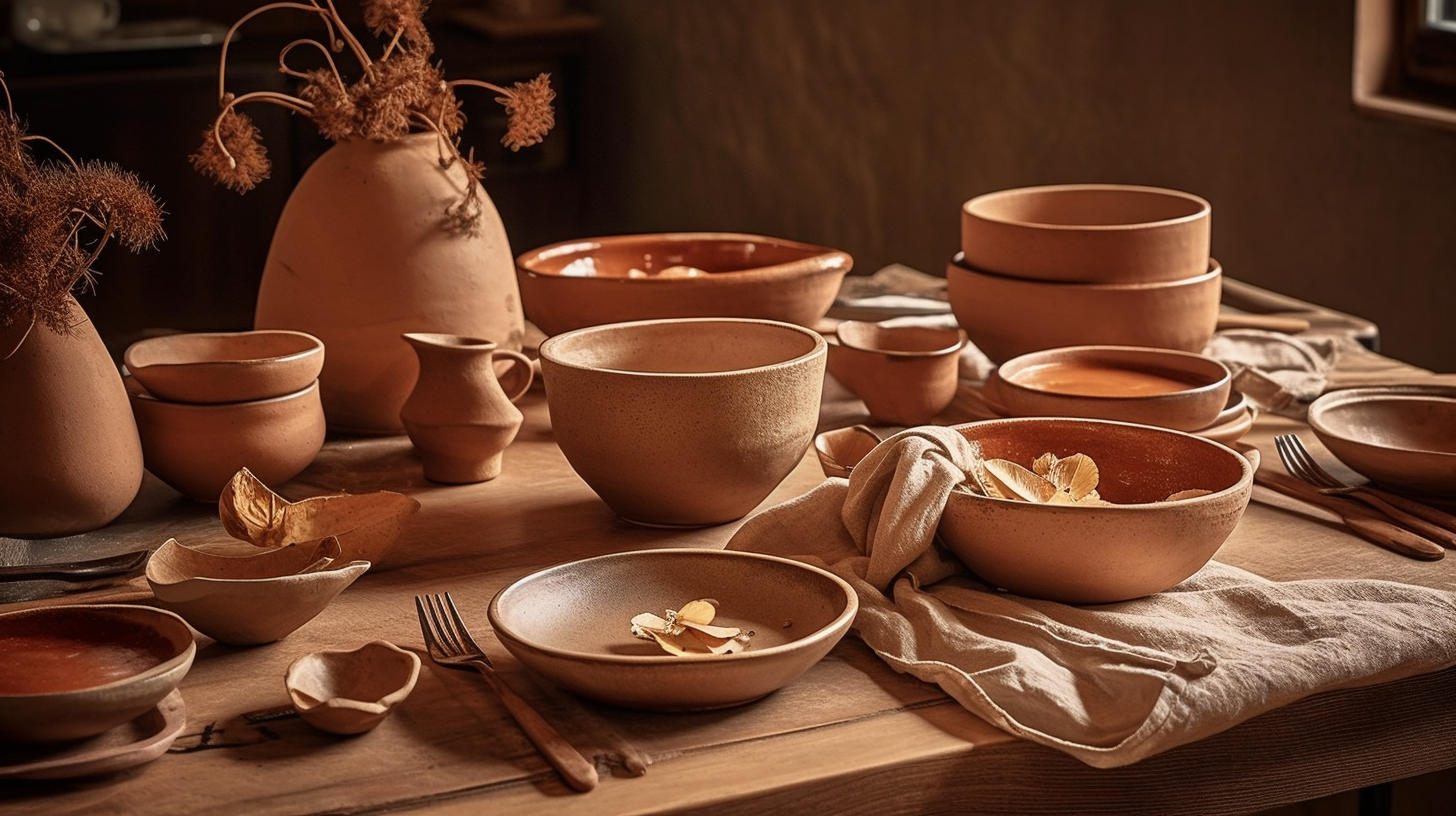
x=256 y=597
x=215 y=367
x=75 y=671
x=198 y=448
x=1088 y=233
x=572 y=624
x=591 y=281
x=1138 y=546
x=688 y=422
x=1172 y=389
x=1401 y=438
x=1007 y=317
x=905 y=375
x=351 y=691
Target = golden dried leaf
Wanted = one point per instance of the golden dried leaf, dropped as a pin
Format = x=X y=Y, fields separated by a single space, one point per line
x=689 y=630
x=1075 y=475
x=1016 y=482
x=251 y=512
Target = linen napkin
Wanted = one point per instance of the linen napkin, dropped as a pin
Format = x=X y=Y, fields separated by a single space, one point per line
x=1109 y=684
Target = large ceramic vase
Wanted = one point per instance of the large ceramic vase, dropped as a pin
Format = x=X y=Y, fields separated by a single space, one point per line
x=460 y=414
x=70 y=457
x=362 y=253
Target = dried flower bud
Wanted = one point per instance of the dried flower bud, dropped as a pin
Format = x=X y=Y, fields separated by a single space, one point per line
x=529 y=112
x=232 y=152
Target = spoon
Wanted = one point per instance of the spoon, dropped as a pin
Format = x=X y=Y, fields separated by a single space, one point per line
x=124 y=564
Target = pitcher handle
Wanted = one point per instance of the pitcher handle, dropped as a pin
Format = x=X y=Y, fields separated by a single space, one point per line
x=517 y=373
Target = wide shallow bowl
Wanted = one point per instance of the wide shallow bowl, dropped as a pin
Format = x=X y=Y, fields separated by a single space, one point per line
x=1006 y=317
x=214 y=367
x=684 y=423
x=1401 y=438
x=1138 y=546
x=249 y=599
x=351 y=691
x=1088 y=233
x=76 y=671
x=197 y=449
x=1172 y=389
x=572 y=624
x=619 y=278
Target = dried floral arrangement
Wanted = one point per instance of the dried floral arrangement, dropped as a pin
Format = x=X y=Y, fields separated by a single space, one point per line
x=397 y=92
x=56 y=218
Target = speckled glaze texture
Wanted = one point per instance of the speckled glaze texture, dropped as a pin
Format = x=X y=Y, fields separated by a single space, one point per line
x=1402 y=438
x=1099 y=554
x=569 y=624
x=1006 y=317
x=905 y=375
x=216 y=367
x=688 y=422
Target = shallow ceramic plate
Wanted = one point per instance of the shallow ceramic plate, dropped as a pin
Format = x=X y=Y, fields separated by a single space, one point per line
x=572 y=624
x=1403 y=437
x=125 y=746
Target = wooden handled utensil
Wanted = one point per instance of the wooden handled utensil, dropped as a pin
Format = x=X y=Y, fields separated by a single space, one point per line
x=1357 y=518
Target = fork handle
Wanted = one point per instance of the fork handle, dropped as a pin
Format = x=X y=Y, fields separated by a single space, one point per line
x=578 y=772
x=1440 y=518
x=1390 y=536
x=1416 y=523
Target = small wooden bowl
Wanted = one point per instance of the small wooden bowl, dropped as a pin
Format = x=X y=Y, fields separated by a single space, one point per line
x=351 y=691
x=219 y=367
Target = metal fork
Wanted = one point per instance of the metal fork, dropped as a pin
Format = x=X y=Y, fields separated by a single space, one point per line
x=450 y=645
x=1419 y=518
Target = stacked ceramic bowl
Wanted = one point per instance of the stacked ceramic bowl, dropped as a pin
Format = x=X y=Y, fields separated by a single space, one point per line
x=1107 y=264
x=208 y=404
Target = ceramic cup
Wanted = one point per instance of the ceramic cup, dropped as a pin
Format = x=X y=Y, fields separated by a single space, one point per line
x=905 y=375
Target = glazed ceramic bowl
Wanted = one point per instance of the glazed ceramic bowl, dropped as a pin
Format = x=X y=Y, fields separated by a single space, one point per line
x=591 y=281
x=1140 y=545
x=351 y=691
x=688 y=422
x=572 y=625
x=75 y=671
x=1401 y=438
x=1172 y=389
x=904 y=374
x=198 y=448
x=259 y=596
x=217 y=367
x=1006 y=317
x=1088 y=233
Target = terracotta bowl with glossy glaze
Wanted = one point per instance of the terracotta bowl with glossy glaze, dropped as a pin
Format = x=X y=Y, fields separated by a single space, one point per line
x=1401 y=438
x=75 y=671
x=1171 y=389
x=1138 y=546
x=684 y=423
x=1006 y=317
x=571 y=624
x=619 y=278
x=1088 y=233
x=218 y=367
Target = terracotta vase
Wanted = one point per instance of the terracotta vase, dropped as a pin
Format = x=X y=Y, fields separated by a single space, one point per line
x=362 y=253
x=460 y=414
x=70 y=457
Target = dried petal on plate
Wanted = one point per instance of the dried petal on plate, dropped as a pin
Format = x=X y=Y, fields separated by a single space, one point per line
x=689 y=630
x=1190 y=493
x=1014 y=481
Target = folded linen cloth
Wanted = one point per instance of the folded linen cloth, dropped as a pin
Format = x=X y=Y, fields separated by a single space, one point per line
x=1279 y=372
x=1109 y=684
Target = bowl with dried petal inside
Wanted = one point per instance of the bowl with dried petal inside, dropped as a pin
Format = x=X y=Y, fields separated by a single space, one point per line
x=675 y=629
x=1092 y=511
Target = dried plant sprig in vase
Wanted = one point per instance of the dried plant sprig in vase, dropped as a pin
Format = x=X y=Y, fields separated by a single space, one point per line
x=397 y=92
x=56 y=218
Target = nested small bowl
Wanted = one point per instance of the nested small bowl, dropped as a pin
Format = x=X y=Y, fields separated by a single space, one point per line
x=1088 y=233
x=1172 y=389
x=905 y=375
x=619 y=278
x=1402 y=438
x=76 y=671
x=218 y=367
x=1006 y=317
x=688 y=422
x=1140 y=545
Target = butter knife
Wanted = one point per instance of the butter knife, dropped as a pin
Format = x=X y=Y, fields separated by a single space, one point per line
x=112 y=566
x=1384 y=533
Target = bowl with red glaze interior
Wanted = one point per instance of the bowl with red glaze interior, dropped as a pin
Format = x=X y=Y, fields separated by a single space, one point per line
x=79 y=670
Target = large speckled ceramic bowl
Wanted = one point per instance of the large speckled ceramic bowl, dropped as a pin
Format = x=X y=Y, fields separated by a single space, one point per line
x=215 y=367
x=688 y=422
x=572 y=624
x=1402 y=438
x=1088 y=233
x=1138 y=546
x=76 y=671
x=591 y=281
x=1006 y=317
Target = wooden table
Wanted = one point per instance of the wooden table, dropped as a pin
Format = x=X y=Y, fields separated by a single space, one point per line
x=850 y=736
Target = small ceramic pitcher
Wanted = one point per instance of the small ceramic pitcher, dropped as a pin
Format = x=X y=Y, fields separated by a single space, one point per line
x=905 y=375
x=460 y=414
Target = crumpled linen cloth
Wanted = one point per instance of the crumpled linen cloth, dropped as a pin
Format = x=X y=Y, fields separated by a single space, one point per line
x=1109 y=684
x=1279 y=372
